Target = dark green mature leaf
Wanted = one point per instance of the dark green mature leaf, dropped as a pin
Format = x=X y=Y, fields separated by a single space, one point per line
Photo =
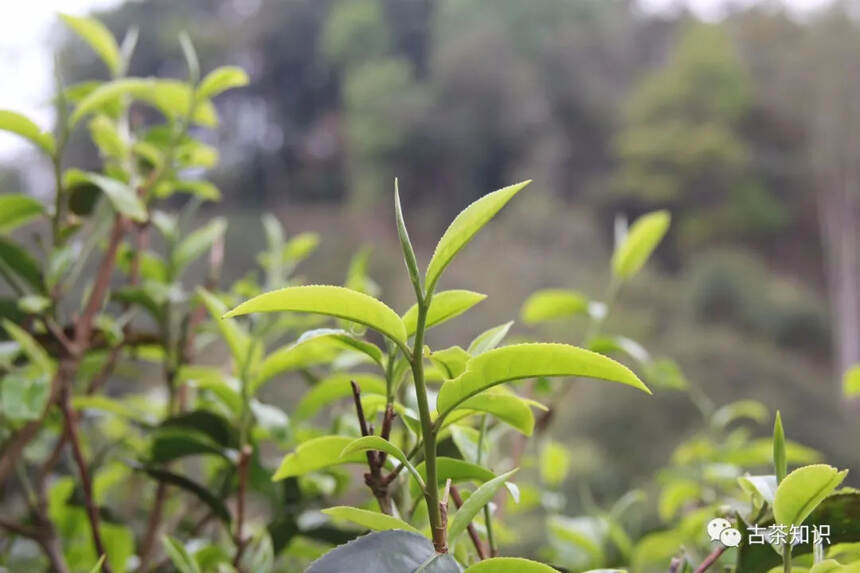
x=215 y=503
x=553 y=304
x=372 y=520
x=479 y=498
x=464 y=227
x=802 y=490
x=17 y=209
x=20 y=262
x=216 y=426
x=511 y=565
x=220 y=80
x=644 y=236
x=20 y=125
x=316 y=454
x=445 y=305
x=520 y=361
x=98 y=37
x=169 y=444
x=385 y=552
x=839 y=511
x=329 y=300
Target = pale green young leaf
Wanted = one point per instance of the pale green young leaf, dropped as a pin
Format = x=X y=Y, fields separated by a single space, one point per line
x=122 y=196
x=780 y=461
x=369 y=443
x=198 y=188
x=406 y=246
x=179 y=555
x=108 y=93
x=802 y=490
x=489 y=339
x=316 y=454
x=306 y=351
x=329 y=300
x=237 y=338
x=98 y=566
x=20 y=125
x=851 y=382
x=509 y=565
x=759 y=487
x=464 y=227
x=173 y=98
x=98 y=37
x=34 y=352
x=644 y=236
x=335 y=387
x=198 y=242
x=507 y=407
x=553 y=304
x=450 y=361
x=445 y=305
x=17 y=209
x=479 y=498
x=521 y=361
x=554 y=462
x=22 y=397
x=372 y=520
x=220 y=80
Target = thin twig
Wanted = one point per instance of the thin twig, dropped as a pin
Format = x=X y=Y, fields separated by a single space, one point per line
x=374 y=479
x=710 y=559
x=473 y=533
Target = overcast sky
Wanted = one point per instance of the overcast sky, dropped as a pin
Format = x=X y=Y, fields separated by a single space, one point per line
x=25 y=49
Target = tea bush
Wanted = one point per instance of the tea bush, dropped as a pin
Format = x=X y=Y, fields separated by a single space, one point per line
x=200 y=473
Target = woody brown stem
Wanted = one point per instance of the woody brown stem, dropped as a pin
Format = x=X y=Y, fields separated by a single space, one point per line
x=374 y=479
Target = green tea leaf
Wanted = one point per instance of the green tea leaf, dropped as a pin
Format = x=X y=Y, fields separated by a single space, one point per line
x=369 y=443
x=507 y=407
x=98 y=37
x=329 y=300
x=21 y=263
x=509 y=565
x=34 y=352
x=98 y=566
x=553 y=304
x=123 y=197
x=464 y=227
x=236 y=337
x=23 y=398
x=554 y=463
x=303 y=353
x=17 y=209
x=761 y=487
x=316 y=454
x=198 y=188
x=215 y=503
x=198 y=242
x=445 y=305
x=489 y=339
x=372 y=520
x=644 y=236
x=780 y=462
x=851 y=382
x=406 y=245
x=173 y=98
x=479 y=498
x=220 y=80
x=520 y=361
x=455 y=469
x=184 y=562
x=450 y=361
x=20 y=125
x=802 y=490
x=170 y=444
x=108 y=93
x=333 y=388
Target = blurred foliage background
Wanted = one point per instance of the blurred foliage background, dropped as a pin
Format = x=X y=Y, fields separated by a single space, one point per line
x=746 y=130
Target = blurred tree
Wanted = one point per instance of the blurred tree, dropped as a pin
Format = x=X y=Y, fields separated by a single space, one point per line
x=680 y=144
